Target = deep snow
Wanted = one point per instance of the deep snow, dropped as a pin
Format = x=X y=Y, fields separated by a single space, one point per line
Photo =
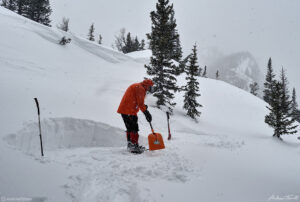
x=228 y=155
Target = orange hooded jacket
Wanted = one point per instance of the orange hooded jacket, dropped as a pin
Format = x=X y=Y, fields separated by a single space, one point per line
x=133 y=99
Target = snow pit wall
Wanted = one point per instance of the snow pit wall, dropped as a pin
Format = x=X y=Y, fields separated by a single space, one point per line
x=59 y=133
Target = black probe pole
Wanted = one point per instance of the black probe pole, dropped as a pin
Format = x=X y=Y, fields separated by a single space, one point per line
x=41 y=141
x=168 y=118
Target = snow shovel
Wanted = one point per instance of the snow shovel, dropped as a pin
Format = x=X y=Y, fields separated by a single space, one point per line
x=155 y=140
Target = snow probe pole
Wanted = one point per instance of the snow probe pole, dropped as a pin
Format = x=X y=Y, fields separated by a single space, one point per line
x=168 y=118
x=38 y=108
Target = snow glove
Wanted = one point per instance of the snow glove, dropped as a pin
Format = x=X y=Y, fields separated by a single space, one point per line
x=148 y=115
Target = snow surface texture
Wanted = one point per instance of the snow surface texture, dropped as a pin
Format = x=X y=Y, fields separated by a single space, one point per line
x=228 y=155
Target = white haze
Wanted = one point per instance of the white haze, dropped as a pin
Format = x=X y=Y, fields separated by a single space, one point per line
x=268 y=28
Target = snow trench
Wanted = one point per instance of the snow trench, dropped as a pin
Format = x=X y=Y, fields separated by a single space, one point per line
x=60 y=133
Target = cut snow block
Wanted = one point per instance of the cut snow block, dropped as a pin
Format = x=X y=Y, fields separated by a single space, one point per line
x=155 y=141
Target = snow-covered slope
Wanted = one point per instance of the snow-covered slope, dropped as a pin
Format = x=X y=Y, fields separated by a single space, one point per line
x=268 y=28
x=141 y=56
x=228 y=155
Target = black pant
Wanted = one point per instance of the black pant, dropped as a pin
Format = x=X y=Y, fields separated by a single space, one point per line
x=131 y=122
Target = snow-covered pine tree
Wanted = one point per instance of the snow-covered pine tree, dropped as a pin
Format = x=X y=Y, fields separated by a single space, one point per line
x=120 y=40
x=11 y=5
x=204 y=72
x=64 y=24
x=22 y=5
x=286 y=101
x=164 y=63
x=280 y=107
x=182 y=64
x=269 y=82
x=286 y=106
x=136 y=44
x=100 y=39
x=254 y=88
x=4 y=3
x=192 y=87
x=129 y=44
x=142 y=46
x=295 y=111
x=274 y=118
x=39 y=11
x=91 y=36
x=177 y=53
x=217 y=75
x=200 y=71
x=65 y=41
x=14 y=5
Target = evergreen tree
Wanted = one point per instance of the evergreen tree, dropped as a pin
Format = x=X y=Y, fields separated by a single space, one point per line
x=254 y=88
x=274 y=118
x=269 y=82
x=199 y=71
x=286 y=102
x=100 y=39
x=295 y=111
x=286 y=105
x=4 y=3
x=217 y=75
x=182 y=65
x=22 y=6
x=142 y=46
x=136 y=44
x=91 y=36
x=11 y=5
x=129 y=44
x=65 y=41
x=205 y=72
x=64 y=25
x=177 y=50
x=39 y=11
x=294 y=101
x=192 y=87
x=164 y=43
x=280 y=107
x=36 y=10
x=120 y=40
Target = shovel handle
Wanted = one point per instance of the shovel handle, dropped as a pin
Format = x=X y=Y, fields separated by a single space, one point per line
x=151 y=127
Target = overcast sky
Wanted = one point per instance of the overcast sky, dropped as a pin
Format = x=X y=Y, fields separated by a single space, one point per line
x=263 y=27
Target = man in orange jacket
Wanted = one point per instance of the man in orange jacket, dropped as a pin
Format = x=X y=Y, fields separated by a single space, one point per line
x=131 y=103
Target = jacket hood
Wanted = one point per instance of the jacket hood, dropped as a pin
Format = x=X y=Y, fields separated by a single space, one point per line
x=147 y=83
